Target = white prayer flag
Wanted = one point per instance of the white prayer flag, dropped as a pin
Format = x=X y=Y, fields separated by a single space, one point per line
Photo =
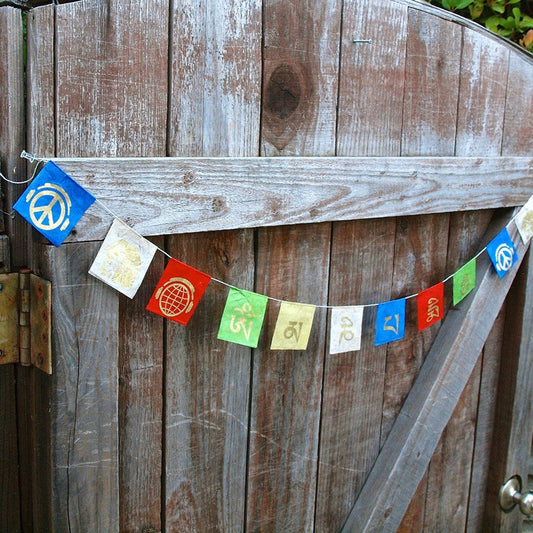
x=524 y=221
x=345 y=329
x=123 y=259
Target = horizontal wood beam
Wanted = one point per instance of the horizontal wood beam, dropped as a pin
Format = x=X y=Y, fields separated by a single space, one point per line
x=412 y=440
x=160 y=196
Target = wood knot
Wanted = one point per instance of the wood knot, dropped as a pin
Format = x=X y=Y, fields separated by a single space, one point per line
x=188 y=177
x=287 y=99
x=218 y=204
x=283 y=92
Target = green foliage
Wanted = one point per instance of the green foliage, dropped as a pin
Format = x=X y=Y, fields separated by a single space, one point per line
x=508 y=18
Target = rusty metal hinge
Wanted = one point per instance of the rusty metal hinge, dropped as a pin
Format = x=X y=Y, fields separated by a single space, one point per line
x=25 y=320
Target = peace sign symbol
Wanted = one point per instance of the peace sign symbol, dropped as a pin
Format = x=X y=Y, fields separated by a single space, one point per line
x=50 y=207
x=504 y=257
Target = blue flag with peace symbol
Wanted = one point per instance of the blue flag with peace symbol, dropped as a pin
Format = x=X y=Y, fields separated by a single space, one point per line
x=502 y=252
x=54 y=203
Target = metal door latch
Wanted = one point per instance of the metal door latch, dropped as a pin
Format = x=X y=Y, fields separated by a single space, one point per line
x=25 y=320
x=511 y=495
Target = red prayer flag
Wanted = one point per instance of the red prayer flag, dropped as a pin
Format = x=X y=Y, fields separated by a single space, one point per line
x=178 y=292
x=430 y=306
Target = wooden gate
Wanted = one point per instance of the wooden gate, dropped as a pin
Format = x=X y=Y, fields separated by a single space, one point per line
x=409 y=139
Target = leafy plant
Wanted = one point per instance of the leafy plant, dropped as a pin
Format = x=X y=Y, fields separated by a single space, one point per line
x=508 y=18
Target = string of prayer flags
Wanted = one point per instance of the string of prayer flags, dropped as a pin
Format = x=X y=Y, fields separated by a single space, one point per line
x=178 y=292
x=346 y=329
x=430 y=303
x=123 y=259
x=502 y=252
x=524 y=221
x=464 y=281
x=53 y=203
x=243 y=317
x=390 y=322
x=293 y=326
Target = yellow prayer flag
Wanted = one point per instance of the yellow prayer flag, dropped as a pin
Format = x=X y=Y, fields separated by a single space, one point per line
x=293 y=326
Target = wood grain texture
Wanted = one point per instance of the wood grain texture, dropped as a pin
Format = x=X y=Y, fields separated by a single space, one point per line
x=204 y=194
x=372 y=79
x=84 y=441
x=111 y=94
x=140 y=415
x=15 y=465
x=482 y=96
x=479 y=132
x=369 y=123
x=449 y=471
x=518 y=107
x=299 y=119
x=485 y=425
x=215 y=78
x=353 y=382
x=286 y=388
x=12 y=131
x=207 y=395
x=40 y=138
x=300 y=77
x=430 y=403
x=511 y=446
x=111 y=100
x=432 y=73
x=215 y=92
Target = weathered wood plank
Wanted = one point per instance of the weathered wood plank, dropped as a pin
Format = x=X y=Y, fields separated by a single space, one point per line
x=111 y=93
x=353 y=382
x=215 y=78
x=485 y=425
x=301 y=51
x=96 y=113
x=203 y=194
x=482 y=95
x=207 y=394
x=140 y=412
x=372 y=81
x=83 y=399
x=479 y=132
x=449 y=470
x=518 y=107
x=131 y=92
x=429 y=126
x=430 y=403
x=300 y=77
x=12 y=131
x=369 y=123
x=511 y=447
x=40 y=136
x=286 y=389
x=215 y=93
x=15 y=464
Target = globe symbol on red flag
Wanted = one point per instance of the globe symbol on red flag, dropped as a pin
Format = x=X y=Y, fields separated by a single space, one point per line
x=178 y=292
x=175 y=296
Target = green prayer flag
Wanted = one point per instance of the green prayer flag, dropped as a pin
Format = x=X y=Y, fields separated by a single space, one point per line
x=243 y=317
x=464 y=280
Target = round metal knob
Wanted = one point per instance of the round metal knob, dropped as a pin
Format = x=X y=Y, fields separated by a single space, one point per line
x=511 y=495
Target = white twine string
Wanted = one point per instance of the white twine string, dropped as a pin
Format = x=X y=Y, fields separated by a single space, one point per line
x=33 y=158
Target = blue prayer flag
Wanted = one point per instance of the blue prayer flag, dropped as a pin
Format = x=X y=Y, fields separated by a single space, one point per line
x=54 y=203
x=390 y=321
x=502 y=252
